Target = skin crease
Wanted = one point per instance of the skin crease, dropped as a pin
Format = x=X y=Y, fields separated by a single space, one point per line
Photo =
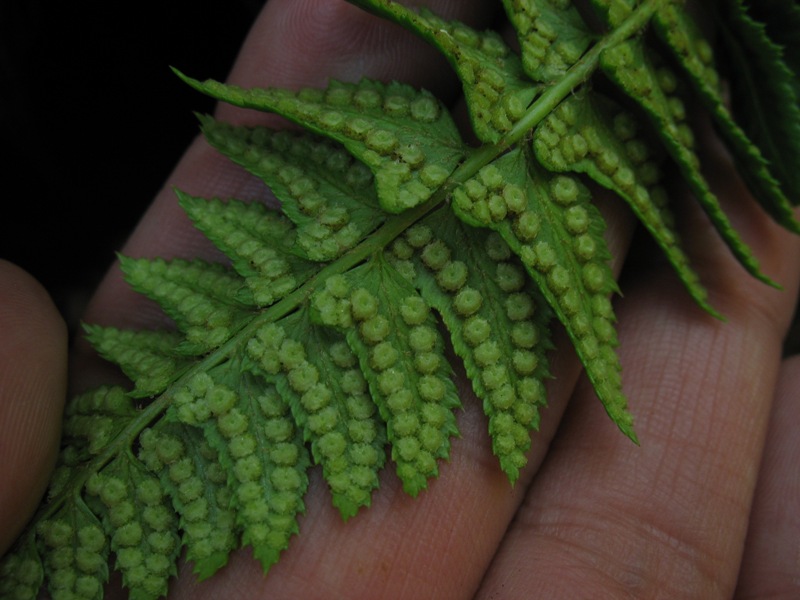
x=592 y=514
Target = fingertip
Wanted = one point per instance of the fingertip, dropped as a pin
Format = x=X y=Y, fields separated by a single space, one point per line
x=33 y=378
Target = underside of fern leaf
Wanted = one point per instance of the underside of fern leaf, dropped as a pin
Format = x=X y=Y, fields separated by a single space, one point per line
x=325 y=339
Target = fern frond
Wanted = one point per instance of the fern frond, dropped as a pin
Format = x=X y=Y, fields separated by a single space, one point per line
x=634 y=69
x=22 y=571
x=139 y=522
x=322 y=340
x=201 y=297
x=590 y=134
x=320 y=380
x=764 y=91
x=695 y=55
x=497 y=321
x=552 y=36
x=259 y=242
x=150 y=359
x=387 y=322
x=781 y=19
x=495 y=88
x=260 y=448
x=93 y=419
x=569 y=266
x=187 y=464
x=405 y=136
x=75 y=553
x=332 y=202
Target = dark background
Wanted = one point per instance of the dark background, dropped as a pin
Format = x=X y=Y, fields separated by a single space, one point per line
x=92 y=121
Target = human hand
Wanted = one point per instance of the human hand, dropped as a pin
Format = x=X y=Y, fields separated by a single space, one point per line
x=592 y=511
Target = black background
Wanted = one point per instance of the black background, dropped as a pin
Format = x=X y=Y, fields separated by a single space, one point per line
x=93 y=120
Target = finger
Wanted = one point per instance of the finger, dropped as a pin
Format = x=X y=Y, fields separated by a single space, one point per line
x=771 y=562
x=667 y=519
x=33 y=375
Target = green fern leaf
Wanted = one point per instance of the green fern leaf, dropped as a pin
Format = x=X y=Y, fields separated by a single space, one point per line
x=248 y=424
x=328 y=396
x=328 y=195
x=497 y=321
x=22 y=572
x=405 y=136
x=387 y=321
x=260 y=244
x=552 y=36
x=495 y=88
x=186 y=465
x=200 y=297
x=139 y=522
x=764 y=92
x=93 y=419
x=75 y=553
x=94 y=422
x=150 y=359
x=782 y=21
x=695 y=55
x=633 y=68
x=589 y=134
x=549 y=223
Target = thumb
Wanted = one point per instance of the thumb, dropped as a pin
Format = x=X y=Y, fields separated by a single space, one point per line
x=33 y=379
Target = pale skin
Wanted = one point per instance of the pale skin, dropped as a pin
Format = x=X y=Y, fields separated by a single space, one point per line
x=708 y=506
